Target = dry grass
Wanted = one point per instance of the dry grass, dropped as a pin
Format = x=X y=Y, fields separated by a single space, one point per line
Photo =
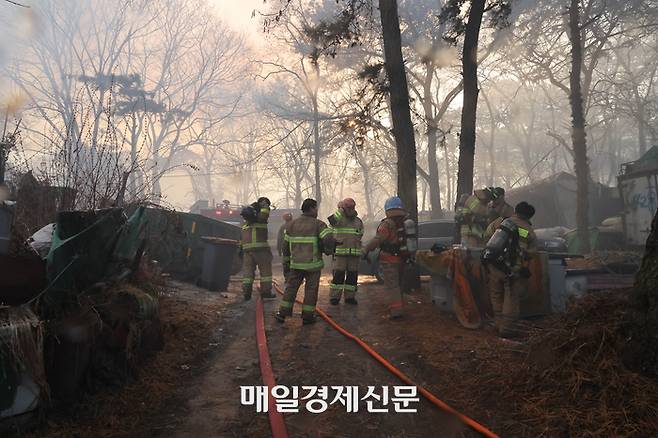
x=573 y=382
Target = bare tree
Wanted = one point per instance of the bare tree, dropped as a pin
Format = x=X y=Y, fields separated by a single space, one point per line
x=171 y=67
x=470 y=28
x=403 y=130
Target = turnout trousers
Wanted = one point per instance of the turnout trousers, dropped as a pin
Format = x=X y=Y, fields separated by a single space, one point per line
x=295 y=279
x=346 y=276
x=391 y=273
x=261 y=259
x=505 y=293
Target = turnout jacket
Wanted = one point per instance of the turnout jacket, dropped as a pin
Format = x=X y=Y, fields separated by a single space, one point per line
x=306 y=239
x=347 y=232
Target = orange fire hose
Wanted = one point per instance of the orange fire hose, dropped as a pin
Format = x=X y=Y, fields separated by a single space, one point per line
x=428 y=395
x=277 y=424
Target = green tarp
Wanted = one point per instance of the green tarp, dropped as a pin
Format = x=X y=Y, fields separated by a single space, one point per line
x=90 y=246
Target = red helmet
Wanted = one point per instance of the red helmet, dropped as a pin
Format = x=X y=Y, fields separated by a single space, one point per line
x=348 y=203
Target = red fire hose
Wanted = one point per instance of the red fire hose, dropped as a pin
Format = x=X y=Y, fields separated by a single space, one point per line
x=277 y=424
x=428 y=395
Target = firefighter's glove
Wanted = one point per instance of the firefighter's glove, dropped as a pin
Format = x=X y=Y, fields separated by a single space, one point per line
x=524 y=272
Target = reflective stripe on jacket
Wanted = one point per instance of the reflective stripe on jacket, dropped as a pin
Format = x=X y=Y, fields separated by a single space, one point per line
x=347 y=232
x=389 y=235
x=527 y=241
x=477 y=213
x=306 y=237
x=254 y=236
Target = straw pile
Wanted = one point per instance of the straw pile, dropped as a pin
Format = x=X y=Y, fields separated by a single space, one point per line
x=573 y=382
x=21 y=336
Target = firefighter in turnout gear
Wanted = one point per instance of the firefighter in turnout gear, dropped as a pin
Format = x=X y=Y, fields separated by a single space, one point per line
x=499 y=211
x=391 y=238
x=348 y=231
x=307 y=238
x=506 y=258
x=498 y=207
x=281 y=243
x=256 y=250
x=472 y=217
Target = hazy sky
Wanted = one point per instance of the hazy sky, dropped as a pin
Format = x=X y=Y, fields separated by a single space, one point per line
x=238 y=13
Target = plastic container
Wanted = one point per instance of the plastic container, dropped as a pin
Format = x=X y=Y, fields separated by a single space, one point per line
x=441 y=293
x=218 y=255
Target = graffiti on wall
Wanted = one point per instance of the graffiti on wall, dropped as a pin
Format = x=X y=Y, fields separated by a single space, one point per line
x=644 y=200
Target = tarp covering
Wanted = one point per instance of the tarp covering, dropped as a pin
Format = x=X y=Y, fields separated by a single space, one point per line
x=470 y=294
x=648 y=161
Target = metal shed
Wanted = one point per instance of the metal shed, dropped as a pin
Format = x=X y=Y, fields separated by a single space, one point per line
x=638 y=187
x=555 y=201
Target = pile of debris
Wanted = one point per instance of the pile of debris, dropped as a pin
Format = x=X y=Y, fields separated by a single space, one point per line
x=574 y=383
x=70 y=321
x=617 y=262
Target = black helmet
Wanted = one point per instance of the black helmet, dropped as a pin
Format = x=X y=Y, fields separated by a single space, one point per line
x=524 y=209
x=265 y=200
x=309 y=204
x=249 y=213
x=498 y=192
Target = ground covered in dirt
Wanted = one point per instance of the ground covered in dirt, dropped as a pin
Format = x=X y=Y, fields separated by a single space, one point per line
x=564 y=378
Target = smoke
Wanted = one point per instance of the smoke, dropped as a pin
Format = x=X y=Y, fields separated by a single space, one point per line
x=18 y=26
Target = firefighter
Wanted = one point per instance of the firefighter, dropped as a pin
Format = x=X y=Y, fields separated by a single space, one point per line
x=498 y=206
x=256 y=249
x=472 y=217
x=392 y=238
x=307 y=238
x=499 y=210
x=280 y=243
x=348 y=231
x=506 y=258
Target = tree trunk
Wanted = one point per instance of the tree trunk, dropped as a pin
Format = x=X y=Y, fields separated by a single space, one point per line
x=492 y=133
x=367 y=184
x=433 y=182
x=448 y=178
x=641 y=131
x=578 y=138
x=316 y=150
x=469 y=110
x=298 y=191
x=132 y=184
x=403 y=130
x=432 y=142
x=641 y=319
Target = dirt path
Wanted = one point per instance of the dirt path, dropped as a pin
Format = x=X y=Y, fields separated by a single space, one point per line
x=192 y=388
x=306 y=355
x=211 y=405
